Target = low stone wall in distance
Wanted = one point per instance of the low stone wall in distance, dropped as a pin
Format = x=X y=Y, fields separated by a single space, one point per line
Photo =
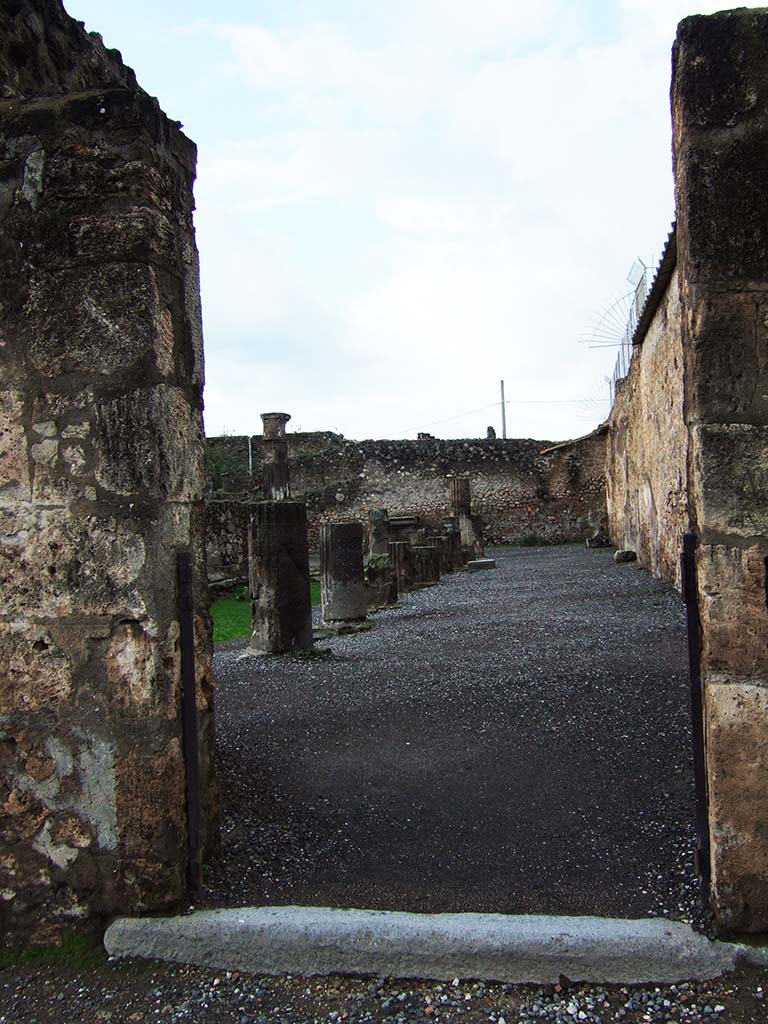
x=522 y=495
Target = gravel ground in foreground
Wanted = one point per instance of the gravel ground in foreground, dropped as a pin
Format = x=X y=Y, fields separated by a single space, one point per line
x=144 y=993
x=515 y=741
x=540 y=705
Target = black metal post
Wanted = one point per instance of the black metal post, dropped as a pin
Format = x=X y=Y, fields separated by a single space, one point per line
x=691 y=598
x=189 y=720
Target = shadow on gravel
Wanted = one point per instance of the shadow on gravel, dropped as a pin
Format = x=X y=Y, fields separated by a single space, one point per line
x=515 y=741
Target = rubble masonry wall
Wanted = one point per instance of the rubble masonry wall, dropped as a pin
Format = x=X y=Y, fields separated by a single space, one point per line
x=646 y=475
x=688 y=437
x=101 y=479
x=520 y=494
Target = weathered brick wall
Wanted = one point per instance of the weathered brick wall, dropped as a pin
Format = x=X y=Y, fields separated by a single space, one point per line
x=646 y=474
x=101 y=478
x=521 y=494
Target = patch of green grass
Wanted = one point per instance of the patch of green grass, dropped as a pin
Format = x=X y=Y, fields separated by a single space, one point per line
x=231 y=614
x=80 y=949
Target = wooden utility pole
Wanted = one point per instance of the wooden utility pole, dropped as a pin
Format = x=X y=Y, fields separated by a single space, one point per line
x=503 y=414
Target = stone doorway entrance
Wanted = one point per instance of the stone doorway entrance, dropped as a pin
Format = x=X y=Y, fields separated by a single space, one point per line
x=517 y=742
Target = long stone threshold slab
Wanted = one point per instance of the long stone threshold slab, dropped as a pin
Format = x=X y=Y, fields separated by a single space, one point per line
x=495 y=947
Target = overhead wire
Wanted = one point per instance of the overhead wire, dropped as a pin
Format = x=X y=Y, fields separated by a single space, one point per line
x=495 y=405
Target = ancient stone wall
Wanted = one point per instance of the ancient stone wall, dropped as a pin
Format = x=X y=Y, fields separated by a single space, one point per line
x=101 y=478
x=688 y=435
x=646 y=476
x=720 y=119
x=521 y=494
x=227 y=539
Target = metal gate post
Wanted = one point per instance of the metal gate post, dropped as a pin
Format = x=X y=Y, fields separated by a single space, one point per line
x=189 y=720
x=691 y=598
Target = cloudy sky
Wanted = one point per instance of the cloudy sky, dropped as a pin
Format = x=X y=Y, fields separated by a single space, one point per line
x=402 y=202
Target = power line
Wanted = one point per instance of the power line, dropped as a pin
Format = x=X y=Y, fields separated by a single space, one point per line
x=495 y=405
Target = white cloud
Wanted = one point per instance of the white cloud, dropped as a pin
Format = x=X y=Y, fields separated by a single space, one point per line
x=462 y=184
x=317 y=58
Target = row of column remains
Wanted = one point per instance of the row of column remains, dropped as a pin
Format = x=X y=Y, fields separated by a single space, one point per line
x=360 y=570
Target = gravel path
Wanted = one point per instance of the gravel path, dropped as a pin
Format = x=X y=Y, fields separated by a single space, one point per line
x=515 y=740
x=530 y=722
x=147 y=993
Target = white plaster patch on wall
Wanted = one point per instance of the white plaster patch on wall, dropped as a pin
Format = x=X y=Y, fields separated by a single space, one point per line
x=93 y=800
x=61 y=756
x=59 y=853
x=97 y=801
x=32 y=184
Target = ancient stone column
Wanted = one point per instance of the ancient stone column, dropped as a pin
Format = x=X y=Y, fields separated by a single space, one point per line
x=342 y=586
x=281 y=603
x=401 y=556
x=442 y=543
x=378 y=532
x=380 y=582
x=426 y=558
x=275 y=453
x=720 y=116
x=453 y=535
x=101 y=481
x=459 y=495
x=470 y=527
x=471 y=531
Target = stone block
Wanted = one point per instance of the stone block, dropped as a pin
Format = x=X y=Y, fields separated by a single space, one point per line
x=149 y=442
x=92 y=320
x=142 y=669
x=426 y=559
x=35 y=669
x=725 y=236
x=441 y=542
x=378 y=532
x=452 y=532
x=732 y=480
x=471 y=531
x=151 y=821
x=478 y=564
x=737 y=763
x=732 y=607
x=60 y=563
x=401 y=556
x=144 y=236
x=719 y=99
x=342 y=585
x=730 y=348
x=15 y=484
x=279 y=577
x=380 y=582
